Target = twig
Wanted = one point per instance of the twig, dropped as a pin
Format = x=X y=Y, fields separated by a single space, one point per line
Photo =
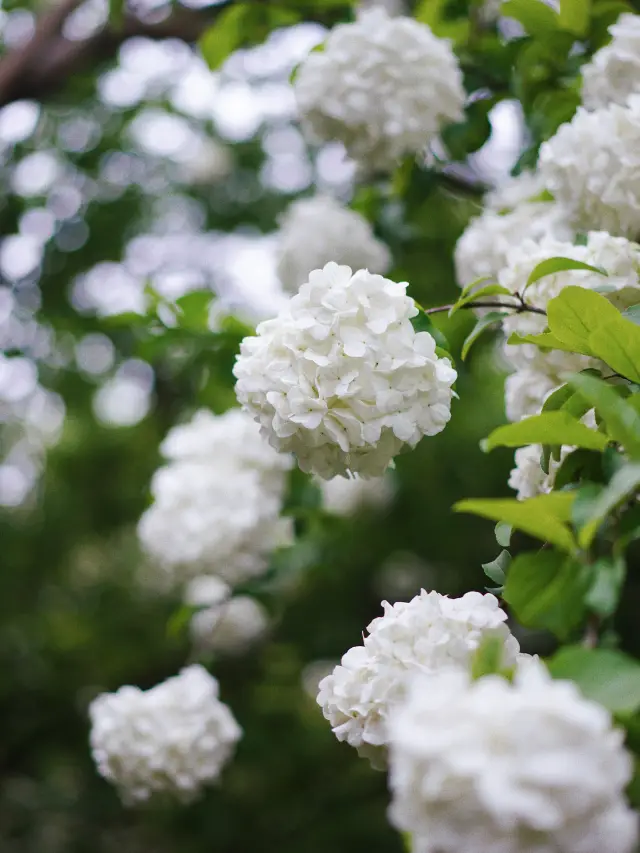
x=591 y=635
x=517 y=309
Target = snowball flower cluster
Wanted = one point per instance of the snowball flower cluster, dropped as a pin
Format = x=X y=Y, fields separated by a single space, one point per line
x=383 y=86
x=427 y=634
x=174 y=738
x=614 y=71
x=229 y=627
x=592 y=168
x=526 y=390
x=528 y=767
x=217 y=502
x=317 y=230
x=341 y=379
x=528 y=478
x=345 y=496
x=512 y=213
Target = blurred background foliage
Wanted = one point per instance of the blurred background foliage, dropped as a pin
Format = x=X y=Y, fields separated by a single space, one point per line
x=136 y=173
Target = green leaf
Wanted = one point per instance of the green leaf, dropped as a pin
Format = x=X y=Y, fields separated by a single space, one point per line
x=621 y=419
x=606 y=676
x=193 y=310
x=496 y=569
x=488 y=657
x=464 y=137
x=543 y=517
x=624 y=484
x=547 y=589
x=617 y=343
x=481 y=325
x=547 y=428
x=537 y=19
x=423 y=323
x=575 y=313
x=488 y=290
x=503 y=534
x=577 y=466
x=574 y=16
x=633 y=314
x=476 y=283
x=604 y=595
x=545 y=341
x=227 y=34
x=116 y=14
x=550 y=266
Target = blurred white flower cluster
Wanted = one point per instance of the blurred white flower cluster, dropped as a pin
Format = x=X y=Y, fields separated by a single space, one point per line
x=316 y=230
x=614 y=71
x=344 y=496
x=511 y=214
x=427 y=634
x=222 y=623
x=174 y=738
x=341 y=379
x=217 y=501
x=383 y=86
x=528 y=478
x=523 y=767
x=591 y=166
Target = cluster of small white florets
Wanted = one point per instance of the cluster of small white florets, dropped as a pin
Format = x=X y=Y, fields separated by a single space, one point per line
x=512 y=213
x=223 y=623
x=538 y=372
x=317 y=230
x=341 y=379
x=592 y=168
x=217 y=502
x=528 y=478
x=508 y=767
x=614 y=71
x=427 y=634
x=346 y=495
x=174 y=738
x=383 y=86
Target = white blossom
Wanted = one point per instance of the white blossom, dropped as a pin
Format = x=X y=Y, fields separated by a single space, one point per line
x=341 y=379
x=619 y=257
x=317 y=230
x=526 y=390
x=427 y=634
x=512 y=213
x=528 y=767
x=344 y=496
x=383 y=86
x=592 y=167
x=528 y=478
x=614 y=71
x=217 y=502
x=206 y=591
x=175 y=737
x=229 y=627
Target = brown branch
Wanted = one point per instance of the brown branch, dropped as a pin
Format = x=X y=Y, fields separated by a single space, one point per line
x=517 y=309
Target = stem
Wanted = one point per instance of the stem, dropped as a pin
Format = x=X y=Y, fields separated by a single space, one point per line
x=517 y=309
x=591 y=635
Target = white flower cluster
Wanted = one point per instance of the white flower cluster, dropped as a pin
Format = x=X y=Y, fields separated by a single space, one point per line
x=217 y=502
x=528 y=478
x=614 y=71
x=174 y=738
x=427 y=634
x=383 y=86
x=512 y=213
x=341 y=379
x=317 y=230
x=538 y=372
x=222 y=623
x=528 y=767
x=344 y=496
x=592 y=168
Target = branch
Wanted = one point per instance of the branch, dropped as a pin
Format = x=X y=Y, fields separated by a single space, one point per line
x=517 y=309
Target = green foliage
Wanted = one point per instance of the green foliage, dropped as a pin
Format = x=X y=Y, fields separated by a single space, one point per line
x=242 y=24
x=551 y=266
x=488 y=658
x=548 y=590
x=574 y=16
x=482 y=324
x=545 y=517
x=557 y=427
x=496 y=570
x=621 y=419
x=538 y=19
x=609 y=677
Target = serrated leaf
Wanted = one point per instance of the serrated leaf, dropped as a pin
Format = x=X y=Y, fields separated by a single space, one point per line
x=496 y=569
x=550 y=266
x=547 y=428
x=623 y=484
x=621 y=419
x=481 y=325
x=547 y=589
x=543 y=517
x=606 y=676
